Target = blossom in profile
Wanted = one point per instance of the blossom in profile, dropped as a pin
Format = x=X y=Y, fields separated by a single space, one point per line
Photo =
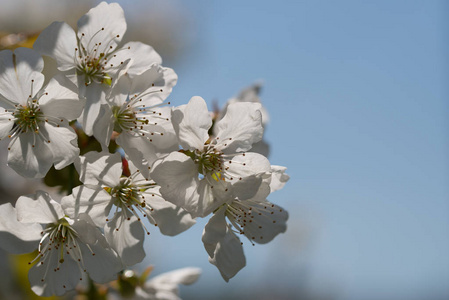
x=259 y=220
x=35 y=117
x=165 y=286
x=91 y=56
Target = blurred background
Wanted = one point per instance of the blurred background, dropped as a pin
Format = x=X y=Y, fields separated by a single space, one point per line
x=357 y=95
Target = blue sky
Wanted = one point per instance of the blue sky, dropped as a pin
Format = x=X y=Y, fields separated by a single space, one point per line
x=357 y=95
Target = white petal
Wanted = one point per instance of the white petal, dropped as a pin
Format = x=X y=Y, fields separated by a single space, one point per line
x=63 y=143
x=17 y=237
x=263 y=192
x=29 y=161
x=104 y=126
x=8 y=80
x=185 y=276
x=229 y=257
x=170 y=219
x=278 y=177
x=128 y=240
x=261 y=147
x=46 y=282
x=247 y=164
x=29 y=65
x=142 y=56
x=212 y=194
x=6 y=124
x=88 y=233
x=120 y=88
x=178 y=177
x=98 y=168
x=104 y=265
x=160 y=127
x=240 y=128
x=62 y=99
x=251 y=94
x=191 y=123
x=103 y=24
x=95 y=96
x=95 y=202
x=144 y=153
x=158 y=133
x=38 y=208
x=155 y=85
x=248 y=187
x=24 y=78
x=264 y=221
x=214 y=231
x=250 y=169
x=59 y=42
x=154 y=78
x=100 y=261
x=227 y=252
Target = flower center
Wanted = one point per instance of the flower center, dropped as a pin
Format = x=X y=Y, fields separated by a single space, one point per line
x=126 y=194
x=92 y=59
x=93 y=69
x=58 y=238
x=125 y=119
x=209 y=161
x=27 y=118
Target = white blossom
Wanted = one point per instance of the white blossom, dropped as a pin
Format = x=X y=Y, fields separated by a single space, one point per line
x=137 y=111
x=161 y=287
x=68 y=248
x=130 y=198
x=35 y=118
x=91 y=55
x=257 y=219
x=208 y=171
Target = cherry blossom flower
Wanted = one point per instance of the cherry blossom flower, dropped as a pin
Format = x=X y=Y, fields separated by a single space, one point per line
x=208 y=171
x=136 y=109
x=161 y=287
x=68 y=248
x=258 y=219
x=35 y=118
x=165 y=286
x=278 y=177
x=133 y=197
x=91 y=55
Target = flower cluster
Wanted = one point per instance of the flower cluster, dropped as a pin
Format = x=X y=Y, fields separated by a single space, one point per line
x=157 y=164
